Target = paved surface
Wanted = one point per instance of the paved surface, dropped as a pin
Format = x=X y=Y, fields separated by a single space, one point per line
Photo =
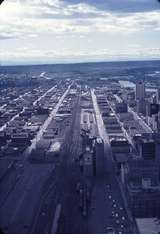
x=61 y=188
x=18 y=114
x=29 y=205
x=107 y=206
x=45 y=125
x=17 y=207
x=137 y=117
x=23 y=185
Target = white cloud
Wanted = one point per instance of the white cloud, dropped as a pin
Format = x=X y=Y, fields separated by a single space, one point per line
x=24 y=19
x=28 y=53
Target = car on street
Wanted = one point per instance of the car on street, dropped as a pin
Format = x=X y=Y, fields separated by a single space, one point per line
x=110 y=230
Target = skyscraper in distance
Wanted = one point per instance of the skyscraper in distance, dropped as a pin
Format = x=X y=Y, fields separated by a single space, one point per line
x=140 y=91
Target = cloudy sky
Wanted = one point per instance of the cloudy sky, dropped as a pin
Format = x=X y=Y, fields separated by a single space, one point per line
x=63 y=31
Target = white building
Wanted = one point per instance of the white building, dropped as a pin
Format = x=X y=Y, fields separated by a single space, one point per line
x=148 y=226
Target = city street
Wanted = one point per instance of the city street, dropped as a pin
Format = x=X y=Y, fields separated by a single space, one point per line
x=108 y=208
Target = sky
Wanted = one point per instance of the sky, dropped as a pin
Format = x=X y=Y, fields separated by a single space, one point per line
x=66 y=31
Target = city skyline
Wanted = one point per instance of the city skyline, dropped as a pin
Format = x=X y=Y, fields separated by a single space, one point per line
x=54 y=31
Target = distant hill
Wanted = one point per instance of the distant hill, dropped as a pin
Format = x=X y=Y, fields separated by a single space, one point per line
x=100 y=68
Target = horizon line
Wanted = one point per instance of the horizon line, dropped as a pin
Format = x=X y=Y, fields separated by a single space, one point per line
x=80 y=62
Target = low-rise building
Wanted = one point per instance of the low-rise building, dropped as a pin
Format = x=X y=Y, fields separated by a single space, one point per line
x=119 y=145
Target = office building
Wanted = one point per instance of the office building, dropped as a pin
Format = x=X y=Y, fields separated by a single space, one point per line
x=141 y=106
x=119 y=144
x=143 y=188
x=148 y=225
x=158 y=95
x=140 y=91
x=121 y=107
x=147 y=149
x=152 y=109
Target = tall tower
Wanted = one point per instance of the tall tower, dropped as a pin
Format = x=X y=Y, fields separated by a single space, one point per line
x=158 y=95
x=140 y=91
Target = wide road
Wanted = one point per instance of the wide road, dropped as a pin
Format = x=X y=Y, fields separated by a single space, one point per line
x=108 y=209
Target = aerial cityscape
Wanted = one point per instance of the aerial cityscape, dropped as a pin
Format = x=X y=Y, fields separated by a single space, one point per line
x=80 y=148
x=79 y=117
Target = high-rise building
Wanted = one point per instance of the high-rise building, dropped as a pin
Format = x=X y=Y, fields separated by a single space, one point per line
x=141 y=106
x=158 y=95
x=143 y=188
x=146 y=148
x=152 y=109
x=121 y=107
x=140 y=91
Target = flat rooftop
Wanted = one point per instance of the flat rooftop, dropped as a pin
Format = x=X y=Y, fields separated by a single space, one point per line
x=148 y=225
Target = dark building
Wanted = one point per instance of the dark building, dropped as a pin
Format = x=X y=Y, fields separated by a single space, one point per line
x=141 y=106
x=143 y=188
x=42 y=111
x=140 y=91
x=121 y=107
x=3 y=138
x=147 y=149
x=152 y=109
x=119 y=145
x=21 y=139
x=158 y=95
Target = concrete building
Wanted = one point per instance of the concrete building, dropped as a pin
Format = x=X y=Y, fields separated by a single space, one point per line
x=140 y=97
x=148 y=138
x=140 y=91
x=158 y=95
x=143 y=188
x=3 y=138
x=125 y=116
x=152 y=109
x=141 y=106
x=20 y=139
x=146 y=148
x=148 y=226
x=121 y=107
x=119 y=145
